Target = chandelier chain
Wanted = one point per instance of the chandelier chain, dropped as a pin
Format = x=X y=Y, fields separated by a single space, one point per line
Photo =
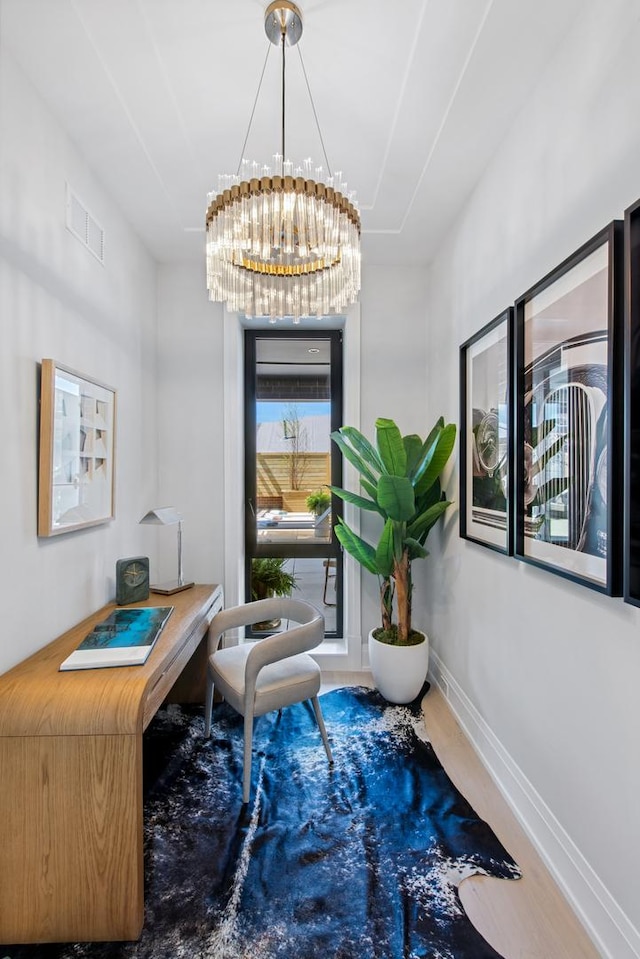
x=313 y=107
x=284 y=37
x=255 y=103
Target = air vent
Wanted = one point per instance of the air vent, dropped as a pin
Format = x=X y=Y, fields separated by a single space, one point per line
x=83 y=226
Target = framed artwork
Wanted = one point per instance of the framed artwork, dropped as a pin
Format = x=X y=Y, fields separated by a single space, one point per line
x=632 y=408
x=486 y=434
x=568 y=414
x=77 y=444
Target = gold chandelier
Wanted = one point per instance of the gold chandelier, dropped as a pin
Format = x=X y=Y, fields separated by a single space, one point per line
x=283 y=241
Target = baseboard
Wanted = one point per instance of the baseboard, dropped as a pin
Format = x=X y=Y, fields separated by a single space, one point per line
x=611 y=930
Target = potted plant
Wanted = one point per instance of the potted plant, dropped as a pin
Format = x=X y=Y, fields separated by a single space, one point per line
x=318 y=501
x=269 y=578
x=400 y=476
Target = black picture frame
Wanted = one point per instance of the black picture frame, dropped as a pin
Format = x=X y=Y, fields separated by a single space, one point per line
x=631 y=537
x=568 y=412
x=486 y=435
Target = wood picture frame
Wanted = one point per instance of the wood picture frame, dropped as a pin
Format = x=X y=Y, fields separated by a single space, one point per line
x=568 y=414
x=486 y=435
x=631 y=537
x=77 y=447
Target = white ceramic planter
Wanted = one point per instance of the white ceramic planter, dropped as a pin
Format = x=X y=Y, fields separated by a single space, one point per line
x=399 y=672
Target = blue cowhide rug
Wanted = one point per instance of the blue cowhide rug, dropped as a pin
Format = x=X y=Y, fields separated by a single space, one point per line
x=358 y=861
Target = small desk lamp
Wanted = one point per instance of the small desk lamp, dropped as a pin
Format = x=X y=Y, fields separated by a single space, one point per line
x=167 y=516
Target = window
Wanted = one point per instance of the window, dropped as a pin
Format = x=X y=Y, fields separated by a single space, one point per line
x=293 y=401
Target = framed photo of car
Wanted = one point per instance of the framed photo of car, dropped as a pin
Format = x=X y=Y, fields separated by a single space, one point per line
x=568 y=416
x=486 y=434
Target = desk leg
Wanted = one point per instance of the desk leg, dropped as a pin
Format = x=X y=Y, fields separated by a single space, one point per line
x=71 y=838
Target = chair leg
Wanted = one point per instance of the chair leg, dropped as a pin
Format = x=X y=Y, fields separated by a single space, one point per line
x=208 y=706
x=323 y=731
x=248 y=746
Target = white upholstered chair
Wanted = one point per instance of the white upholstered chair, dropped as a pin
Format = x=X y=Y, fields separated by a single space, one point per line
x=273 y=672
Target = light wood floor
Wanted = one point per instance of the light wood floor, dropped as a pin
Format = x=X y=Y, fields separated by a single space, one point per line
x=524 y=919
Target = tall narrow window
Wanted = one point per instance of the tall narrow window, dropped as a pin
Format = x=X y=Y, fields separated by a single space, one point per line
x=293 y=389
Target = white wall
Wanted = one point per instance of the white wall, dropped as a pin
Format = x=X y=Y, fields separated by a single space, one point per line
x=57 y=300
x=546 y=669
x=191 y=400
x=394 y=374
x=191 y=425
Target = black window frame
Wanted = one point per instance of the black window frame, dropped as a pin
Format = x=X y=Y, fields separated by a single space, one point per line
x=321 y=550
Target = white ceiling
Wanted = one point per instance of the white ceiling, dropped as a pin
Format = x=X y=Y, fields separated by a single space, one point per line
x=413 y=97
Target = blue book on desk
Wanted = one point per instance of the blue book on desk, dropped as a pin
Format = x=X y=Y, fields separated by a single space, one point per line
x=124 y=638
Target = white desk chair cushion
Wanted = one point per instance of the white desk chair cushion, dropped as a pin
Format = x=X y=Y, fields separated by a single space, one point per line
x=279 y=684
x=271 y=673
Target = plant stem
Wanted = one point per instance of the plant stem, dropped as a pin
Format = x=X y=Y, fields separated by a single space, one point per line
x=401 y=574
x=386 y=601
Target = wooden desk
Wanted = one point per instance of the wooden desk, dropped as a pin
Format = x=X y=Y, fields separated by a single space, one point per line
x=71 y=857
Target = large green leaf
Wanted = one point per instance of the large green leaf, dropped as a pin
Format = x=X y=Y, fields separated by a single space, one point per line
x=413 y=450
x=362 y=551
x=426 y=455
x=433 y=495
x=360 y=501
x=385 y=550
x=391 y=447
x=395 y=496
x=369 y=488
x=399 y=535
x=363 y=447
x=416 y=549
x=420 y=527
x=354 y=458
x=401 y=480
x=427 y=451
x=444 y=446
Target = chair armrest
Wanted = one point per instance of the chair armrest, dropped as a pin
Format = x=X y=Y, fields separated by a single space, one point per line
x=275 y=607
x=232 y=618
